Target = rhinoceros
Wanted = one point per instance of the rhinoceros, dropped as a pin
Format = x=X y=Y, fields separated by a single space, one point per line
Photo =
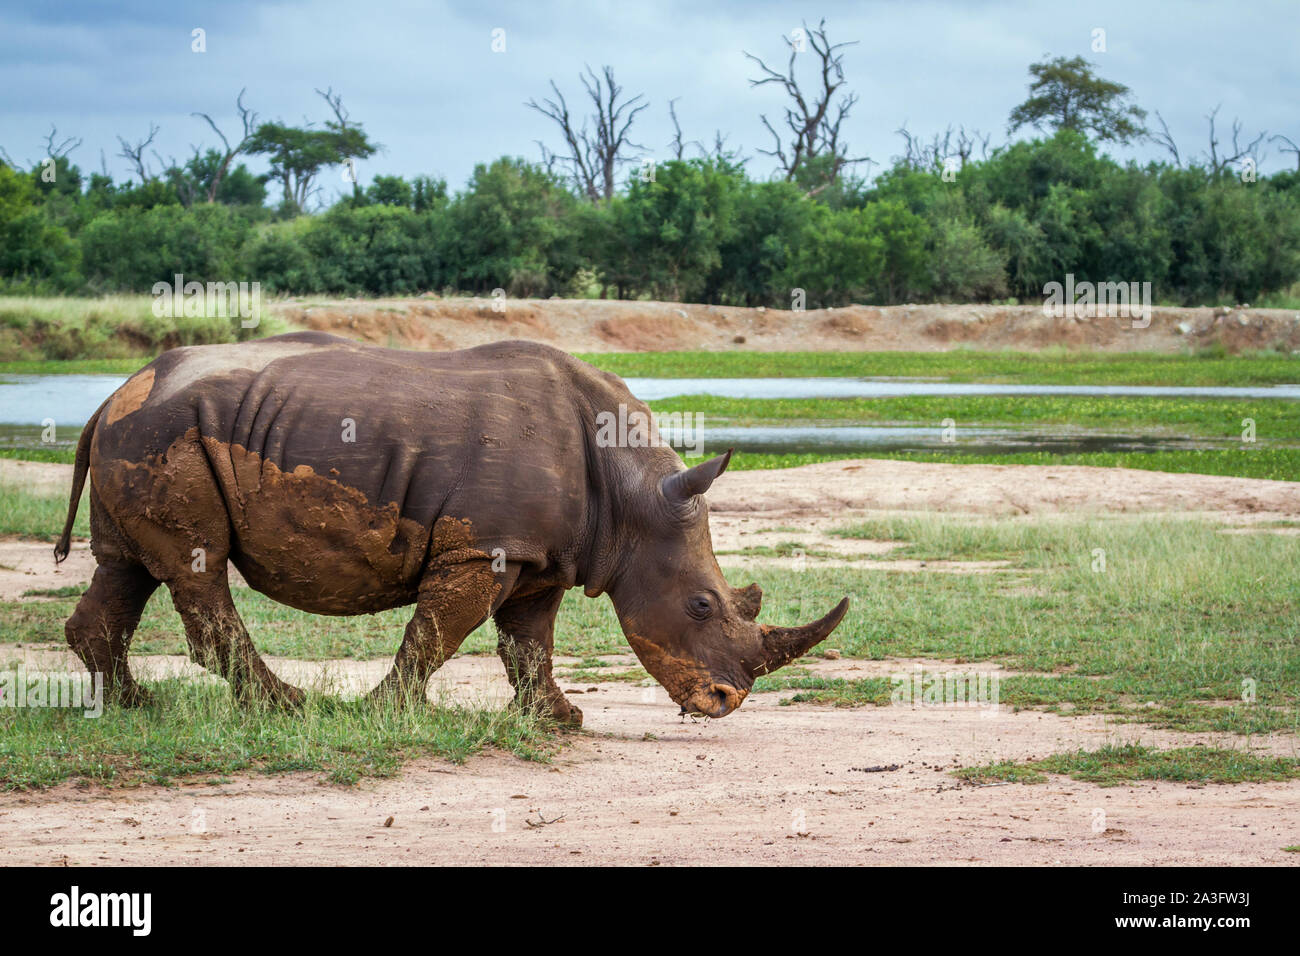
x=343 y=478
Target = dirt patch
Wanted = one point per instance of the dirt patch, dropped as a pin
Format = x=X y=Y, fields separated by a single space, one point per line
x=594 y=325
x=842 y=488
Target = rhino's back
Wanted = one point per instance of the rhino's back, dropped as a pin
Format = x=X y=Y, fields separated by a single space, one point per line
x=310 y=435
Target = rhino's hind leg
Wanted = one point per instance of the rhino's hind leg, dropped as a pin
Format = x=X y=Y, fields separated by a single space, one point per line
x=526 y=627
x=453 y=601
x=101 y=627
x=219 y=641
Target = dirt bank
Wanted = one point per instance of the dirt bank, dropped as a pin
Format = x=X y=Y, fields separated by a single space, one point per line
x=586 y=325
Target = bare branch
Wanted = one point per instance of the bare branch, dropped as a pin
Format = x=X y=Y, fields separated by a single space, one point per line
x=598 y=150
x=813 y=125
x=134 y=152
x=1218 y=163
x=1165 y=138
x=1290 y=147
x=249 y=121
x=62 y=149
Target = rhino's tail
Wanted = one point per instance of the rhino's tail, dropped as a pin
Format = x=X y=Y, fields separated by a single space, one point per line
x=79 y=470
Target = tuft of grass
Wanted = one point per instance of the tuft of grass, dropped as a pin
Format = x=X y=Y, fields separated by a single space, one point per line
x=1114 y=765
x=195 y=729
x=31 y=513
x=836 y=691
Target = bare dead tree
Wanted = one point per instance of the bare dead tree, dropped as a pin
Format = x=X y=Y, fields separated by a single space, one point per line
x=597 y=147
x=249 y=120
x=549 y=159
x=1289 y=147
x=335 y=103
x=134 y=152
x=964 y=148
x=1218 y=162
x=7 y=159
x=814 y=122
x=60 y=150
x=942 y=147
x=1165 y=138
x=678 y=145
x=721 y=152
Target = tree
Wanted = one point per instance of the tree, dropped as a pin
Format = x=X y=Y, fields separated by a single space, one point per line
x=673 y=229
x=598 y=147
x=1066 y=94
x=298 y=154
x=813 y=123
x=350 y=140
x=134 y=152
x=249 y=120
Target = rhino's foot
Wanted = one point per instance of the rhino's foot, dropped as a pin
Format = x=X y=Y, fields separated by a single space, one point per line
x=398 y=689
x=133 y=695
x=554 y=706
x=278 y=695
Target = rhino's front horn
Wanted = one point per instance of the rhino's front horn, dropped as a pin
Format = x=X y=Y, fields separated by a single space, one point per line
x=781 y=645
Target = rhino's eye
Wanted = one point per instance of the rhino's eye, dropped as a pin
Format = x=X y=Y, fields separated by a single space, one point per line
x=700 y=606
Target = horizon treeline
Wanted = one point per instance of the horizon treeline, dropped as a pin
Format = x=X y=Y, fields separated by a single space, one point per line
x=698 y=230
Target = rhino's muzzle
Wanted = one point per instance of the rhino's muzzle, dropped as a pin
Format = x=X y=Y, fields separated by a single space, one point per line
x=716 y=700
x=781 y=645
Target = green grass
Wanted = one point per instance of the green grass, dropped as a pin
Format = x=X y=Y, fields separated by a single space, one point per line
x=1111 y=766
x=835 y=691
x=32 y=514
x=1048 y=367
x=36 y=328
x=60 y=456
x=193 y=729
x=1249 y=461
x=1275 y=419
x=84 y=366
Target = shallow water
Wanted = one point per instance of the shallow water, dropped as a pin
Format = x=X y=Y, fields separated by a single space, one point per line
x=841 y=439
x=26 y=401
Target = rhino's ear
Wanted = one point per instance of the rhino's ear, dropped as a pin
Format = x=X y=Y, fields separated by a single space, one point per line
x=681 y=486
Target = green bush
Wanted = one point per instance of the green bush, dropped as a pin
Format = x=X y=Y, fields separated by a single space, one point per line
x=131 y=249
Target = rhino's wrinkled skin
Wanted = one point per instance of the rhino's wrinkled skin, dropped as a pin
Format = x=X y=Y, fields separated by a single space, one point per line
x=341 y=478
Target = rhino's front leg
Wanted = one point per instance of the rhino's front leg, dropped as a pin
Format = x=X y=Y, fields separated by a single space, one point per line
x=527 y=636
x=453 y=601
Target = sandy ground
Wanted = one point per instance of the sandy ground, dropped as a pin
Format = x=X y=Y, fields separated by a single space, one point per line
x=644 y=786
x=797 y=784
x=587 y=325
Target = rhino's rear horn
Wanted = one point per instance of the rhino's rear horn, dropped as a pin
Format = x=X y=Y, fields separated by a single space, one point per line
x=781 y=645
x=681 y=486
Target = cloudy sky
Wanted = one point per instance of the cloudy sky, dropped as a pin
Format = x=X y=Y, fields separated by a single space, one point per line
x=424 y=80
